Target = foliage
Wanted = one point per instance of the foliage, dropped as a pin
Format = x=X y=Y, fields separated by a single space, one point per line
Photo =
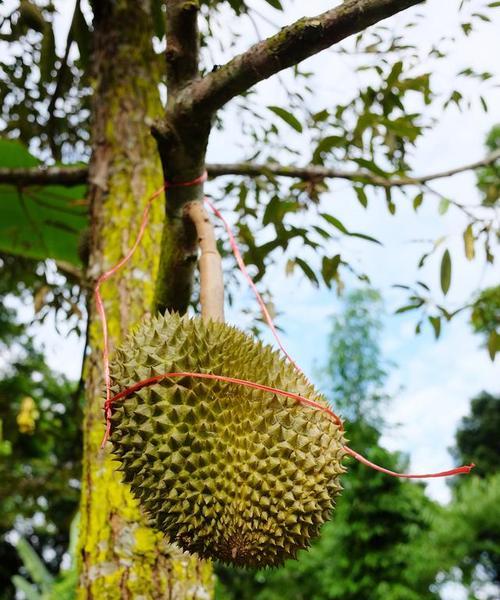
x=464 y=540
x=39 y=222
x=488 y=178
x=40 y=443
x=44 y=97
x=477 y=438
x=355 y=373
x=485 y=318
x=35 y=81
x=45 y=586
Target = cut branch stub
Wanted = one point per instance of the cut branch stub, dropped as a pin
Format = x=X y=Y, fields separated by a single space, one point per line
x=211 y=280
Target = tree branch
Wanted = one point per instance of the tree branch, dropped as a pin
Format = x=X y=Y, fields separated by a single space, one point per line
x=314 y=172
x=44 y=176
x=290 y=46
x=182 y=43
x=78 y=175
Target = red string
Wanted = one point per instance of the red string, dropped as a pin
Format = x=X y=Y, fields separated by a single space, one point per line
x=243 y=382
x=250 y=384
x=243 y=269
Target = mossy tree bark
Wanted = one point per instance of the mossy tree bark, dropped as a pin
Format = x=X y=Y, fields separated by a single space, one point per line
x=120 y=556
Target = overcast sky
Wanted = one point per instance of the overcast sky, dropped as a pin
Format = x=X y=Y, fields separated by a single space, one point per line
x=437 y=379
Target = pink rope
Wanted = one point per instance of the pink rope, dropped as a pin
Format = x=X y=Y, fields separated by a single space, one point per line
x=243 y=269
x=250 y=384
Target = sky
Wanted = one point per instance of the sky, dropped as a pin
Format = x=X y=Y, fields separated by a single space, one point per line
x=433 y=381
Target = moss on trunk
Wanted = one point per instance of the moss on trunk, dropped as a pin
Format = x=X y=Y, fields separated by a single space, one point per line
x=119 y=556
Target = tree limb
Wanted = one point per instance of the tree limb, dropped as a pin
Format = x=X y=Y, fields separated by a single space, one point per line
x=290 y=46
x=78 y=175
x=315 y=172
x=44 y=176
x=182 y=43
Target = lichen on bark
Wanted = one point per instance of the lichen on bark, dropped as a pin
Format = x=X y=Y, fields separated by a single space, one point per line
x=119 y=556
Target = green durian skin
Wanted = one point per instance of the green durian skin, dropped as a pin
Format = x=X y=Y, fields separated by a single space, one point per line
x=233 y=474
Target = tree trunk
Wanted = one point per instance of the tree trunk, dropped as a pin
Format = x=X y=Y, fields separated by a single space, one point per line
x=119 y=556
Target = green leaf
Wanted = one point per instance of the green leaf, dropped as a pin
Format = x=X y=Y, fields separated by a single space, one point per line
x=34 y=565
x=494 y=4
x=446 y=272
x=469 y=243
x=408 y=307
x=31 y=15
x=81 y=35
x=363 y=236
x=436 y=325
x=287 y=117
x=276 y=210
x=338 y=225
x=335 y=222
x=466 y=28
x=493 y=344
x=275 y=4
x=325 y=145
x=371 y=166
x=308 y=272
x=362 y=197
x=30 y=591
x=329 y=268
x=444 y=205
x=39 y=221
x=417 y=201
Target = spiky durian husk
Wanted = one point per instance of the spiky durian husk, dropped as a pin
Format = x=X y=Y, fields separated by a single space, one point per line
x=231 y=473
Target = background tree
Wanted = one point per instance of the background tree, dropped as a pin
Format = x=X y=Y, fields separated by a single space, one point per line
x=98 y=100
x=464 y=540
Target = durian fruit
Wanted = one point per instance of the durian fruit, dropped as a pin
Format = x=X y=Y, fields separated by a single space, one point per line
x=230 y=473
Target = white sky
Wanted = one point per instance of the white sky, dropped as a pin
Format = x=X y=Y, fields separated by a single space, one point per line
x=438 y=378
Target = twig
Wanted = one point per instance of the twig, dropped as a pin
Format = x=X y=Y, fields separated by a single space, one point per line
x=314 y=172
x=78 y=175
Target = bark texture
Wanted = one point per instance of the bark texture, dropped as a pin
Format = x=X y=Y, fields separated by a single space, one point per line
x=119 y=556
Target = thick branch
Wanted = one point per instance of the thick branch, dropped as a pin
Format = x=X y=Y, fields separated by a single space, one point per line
x=211 y=282
x=77 y=175
x=44 y=176
x=290 y=46
x=182 y=43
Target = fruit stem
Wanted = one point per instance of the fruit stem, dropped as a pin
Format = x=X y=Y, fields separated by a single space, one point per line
x=211 y=280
